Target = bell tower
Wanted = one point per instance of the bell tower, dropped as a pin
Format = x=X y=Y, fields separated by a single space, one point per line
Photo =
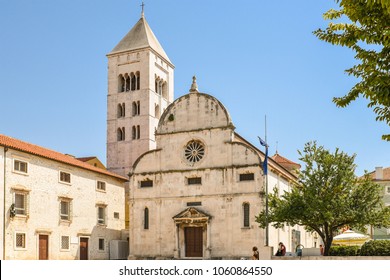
x=140 y=87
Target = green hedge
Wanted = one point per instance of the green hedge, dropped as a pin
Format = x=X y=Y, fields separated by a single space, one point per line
x=376 y=248
x=370 y=248
x=344 y=251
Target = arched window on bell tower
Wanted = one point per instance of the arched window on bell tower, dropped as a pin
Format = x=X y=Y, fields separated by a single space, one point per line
x=157 y=111
x=138 y=80
x=127 y=82
x=134 y=132
x=120 y=134
x=136 y=108
x=121 y=83
x=164 y=90
x=133 y=81
x=121 y=110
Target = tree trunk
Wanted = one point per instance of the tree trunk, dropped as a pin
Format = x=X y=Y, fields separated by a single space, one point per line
x=328 y=244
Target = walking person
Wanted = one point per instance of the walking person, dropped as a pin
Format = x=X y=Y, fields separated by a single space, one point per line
x=322 y=250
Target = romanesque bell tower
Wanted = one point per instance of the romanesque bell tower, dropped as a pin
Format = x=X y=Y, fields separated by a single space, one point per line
x=140 y=87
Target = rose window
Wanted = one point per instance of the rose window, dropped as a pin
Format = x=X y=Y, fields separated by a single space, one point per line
x=194 y=151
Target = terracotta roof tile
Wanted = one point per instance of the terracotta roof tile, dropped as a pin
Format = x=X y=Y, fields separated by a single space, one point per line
x=19 y=145
x=279 y=159
x=386 y=174
x=85 y=158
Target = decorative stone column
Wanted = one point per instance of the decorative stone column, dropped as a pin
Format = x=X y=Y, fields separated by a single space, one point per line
x=176 y=253
x=208 y=241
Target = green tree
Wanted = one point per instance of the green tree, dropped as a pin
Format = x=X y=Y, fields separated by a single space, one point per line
x=368 y=34
x=327 y=197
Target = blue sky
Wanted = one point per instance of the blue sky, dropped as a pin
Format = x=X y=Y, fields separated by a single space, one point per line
x=259 y=58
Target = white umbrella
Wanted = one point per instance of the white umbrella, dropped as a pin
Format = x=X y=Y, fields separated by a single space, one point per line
x=350 y=238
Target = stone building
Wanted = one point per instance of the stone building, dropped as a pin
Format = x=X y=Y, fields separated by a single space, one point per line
x=195 y=184
x=55 y=206
x=140 y=87
x=196 y=195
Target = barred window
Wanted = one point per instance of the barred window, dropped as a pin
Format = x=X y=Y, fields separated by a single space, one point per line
x=20 y=240
x=65 y=242
x=246 y=209
x=247 y=177
x=64 y=177
x=194 y=181
x=20 y=166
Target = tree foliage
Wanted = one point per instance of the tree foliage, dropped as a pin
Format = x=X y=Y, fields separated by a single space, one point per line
x=327 y=198
x=368 y=34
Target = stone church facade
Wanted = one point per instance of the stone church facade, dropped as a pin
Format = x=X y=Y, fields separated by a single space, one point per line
x=196 y=195
x=195 y=184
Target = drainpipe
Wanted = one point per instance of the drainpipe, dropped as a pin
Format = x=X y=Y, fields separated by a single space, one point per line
x=4 y=212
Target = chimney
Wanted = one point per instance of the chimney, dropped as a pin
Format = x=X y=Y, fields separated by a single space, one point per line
x=378 y=173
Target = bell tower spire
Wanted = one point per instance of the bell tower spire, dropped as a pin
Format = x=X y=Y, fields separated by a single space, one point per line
x=140 y=87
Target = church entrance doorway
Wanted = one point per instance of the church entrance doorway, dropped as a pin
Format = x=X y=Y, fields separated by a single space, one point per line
x=193 y=238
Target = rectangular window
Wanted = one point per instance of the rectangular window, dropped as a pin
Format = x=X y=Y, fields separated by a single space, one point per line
x=388 y=189
x=65 y=210
x=20 y=204
x=101 y=219
x=65 y=242
x=20 y=240
x=247 y=177
x=20 y=166
x=195 y=203
x=146 y=218
x=116 y=215
x=64 y=177
x=101 y=244
x=146 y=184
x=101 y=186
x=246 y=209
x=194 y=181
